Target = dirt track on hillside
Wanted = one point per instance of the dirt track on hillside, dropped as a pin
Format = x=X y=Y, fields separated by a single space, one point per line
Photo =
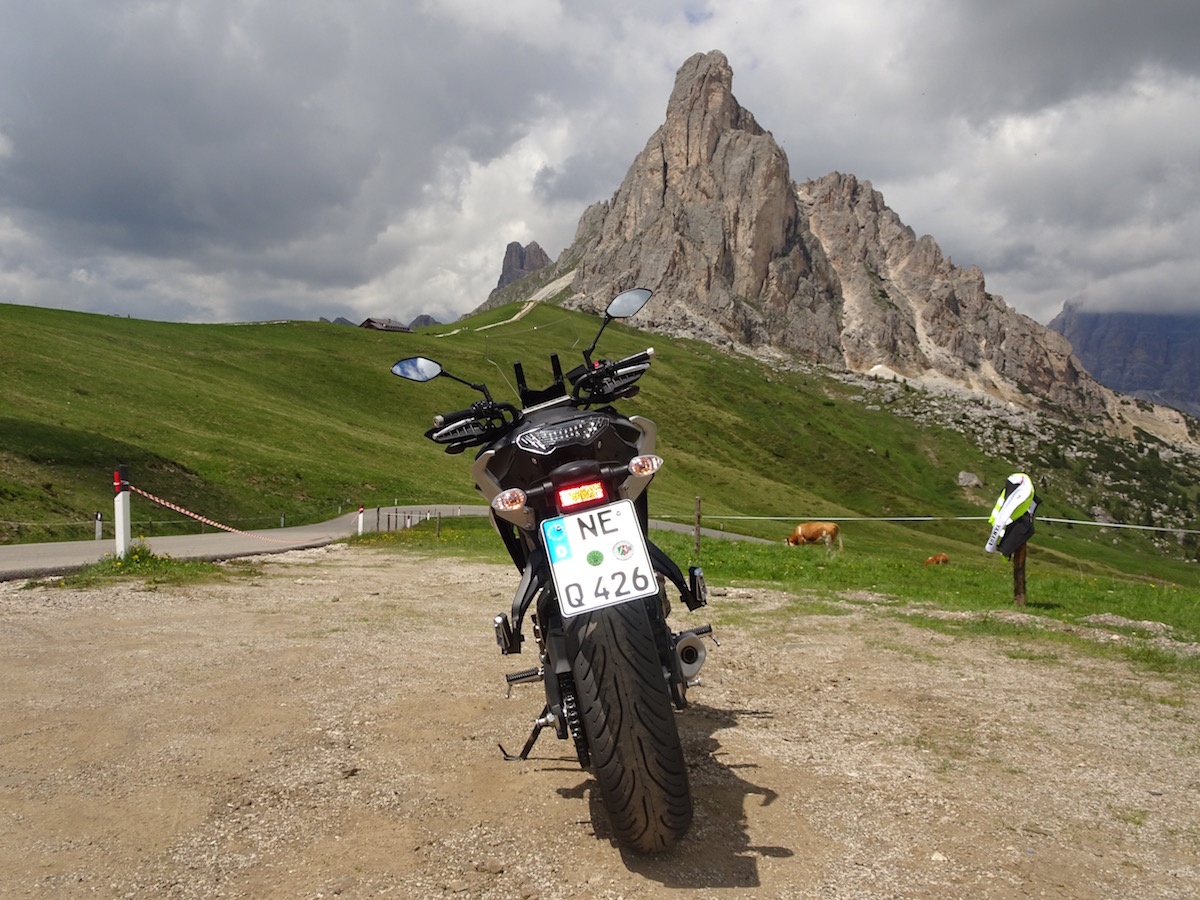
x=329 y=728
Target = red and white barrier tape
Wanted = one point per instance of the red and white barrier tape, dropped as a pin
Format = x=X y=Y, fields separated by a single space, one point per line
x=179 y=509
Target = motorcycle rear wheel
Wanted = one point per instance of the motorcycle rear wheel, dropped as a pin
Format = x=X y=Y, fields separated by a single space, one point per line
x=629 y=721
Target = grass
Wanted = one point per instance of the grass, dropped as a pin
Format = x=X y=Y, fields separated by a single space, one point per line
x=140 y=563
x=465 y=537
x=822 y=583
x=246 y=424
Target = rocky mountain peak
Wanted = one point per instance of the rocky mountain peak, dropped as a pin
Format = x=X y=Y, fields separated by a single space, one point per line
x=708 y=217
x=739 y=255
x=520 y=261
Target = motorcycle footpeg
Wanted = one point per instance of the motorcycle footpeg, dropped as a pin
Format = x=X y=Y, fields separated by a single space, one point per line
x=525 y=676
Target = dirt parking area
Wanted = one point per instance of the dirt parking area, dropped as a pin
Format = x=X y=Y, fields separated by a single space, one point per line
x=329 y=728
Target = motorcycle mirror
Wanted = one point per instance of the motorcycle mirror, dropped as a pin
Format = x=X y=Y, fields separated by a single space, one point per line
x=417 y=368
x=622 y=306
x=627 y=303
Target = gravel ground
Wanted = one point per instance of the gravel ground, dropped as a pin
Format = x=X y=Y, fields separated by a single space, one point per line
x=329 y=728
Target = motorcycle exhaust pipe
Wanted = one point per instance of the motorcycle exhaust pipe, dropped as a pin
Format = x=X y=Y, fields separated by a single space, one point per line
x=689 y=649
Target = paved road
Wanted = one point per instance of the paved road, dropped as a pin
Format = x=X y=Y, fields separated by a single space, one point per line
x=38 y=560
x=35 y=560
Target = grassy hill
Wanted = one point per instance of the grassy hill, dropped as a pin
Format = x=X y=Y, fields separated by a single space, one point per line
x=248 y=423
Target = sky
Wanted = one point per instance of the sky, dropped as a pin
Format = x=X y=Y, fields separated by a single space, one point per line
x=251 y=160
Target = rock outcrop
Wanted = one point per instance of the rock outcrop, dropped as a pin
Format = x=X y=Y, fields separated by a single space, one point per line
x=520 y=261
x=708 y=217
x=739 y=255
x=909 y=310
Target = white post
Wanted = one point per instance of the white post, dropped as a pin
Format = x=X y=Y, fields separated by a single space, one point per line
x=99 y=526
x=121 y=521
x=360 y=520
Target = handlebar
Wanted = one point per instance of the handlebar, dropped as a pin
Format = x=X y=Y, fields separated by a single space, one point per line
x=486 y=419
x=637 y=359
x=608 y=380
x=451 y=417
x=464 y=428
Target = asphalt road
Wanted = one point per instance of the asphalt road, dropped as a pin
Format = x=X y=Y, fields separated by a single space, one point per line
x=36 y=560
x=39 y=560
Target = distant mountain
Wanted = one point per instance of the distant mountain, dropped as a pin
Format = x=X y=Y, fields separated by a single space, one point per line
x=520 y=261
x=741 y=256
x=1152 y=357
x=421 y=321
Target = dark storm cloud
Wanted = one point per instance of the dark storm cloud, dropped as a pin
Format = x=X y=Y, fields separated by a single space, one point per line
x=1024 y=55
x=233 y=160
x=175 y=130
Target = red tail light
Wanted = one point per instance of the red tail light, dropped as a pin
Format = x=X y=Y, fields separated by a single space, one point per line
x=580 y=493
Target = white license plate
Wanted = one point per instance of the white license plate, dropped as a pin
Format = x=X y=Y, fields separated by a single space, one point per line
x=598 y=558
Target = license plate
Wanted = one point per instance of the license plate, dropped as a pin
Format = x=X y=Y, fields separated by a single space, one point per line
x=598 y=558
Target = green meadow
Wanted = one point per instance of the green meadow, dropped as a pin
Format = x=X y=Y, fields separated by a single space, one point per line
x=253 y=423
x=974 y=584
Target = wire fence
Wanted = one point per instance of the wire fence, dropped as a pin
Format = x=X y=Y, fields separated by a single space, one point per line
x=191 y=523
x=20 y=531
x=1170 y=529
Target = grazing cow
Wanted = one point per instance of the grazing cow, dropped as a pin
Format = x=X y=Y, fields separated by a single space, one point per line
x=938 y=559
x=812 y=532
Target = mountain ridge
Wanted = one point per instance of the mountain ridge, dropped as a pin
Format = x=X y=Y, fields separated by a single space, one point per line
x=743 y=257
x=1150 y=356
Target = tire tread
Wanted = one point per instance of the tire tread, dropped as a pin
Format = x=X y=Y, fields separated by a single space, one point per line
x=630 y=723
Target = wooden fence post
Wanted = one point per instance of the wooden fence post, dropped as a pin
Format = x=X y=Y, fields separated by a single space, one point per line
x=1018 y=560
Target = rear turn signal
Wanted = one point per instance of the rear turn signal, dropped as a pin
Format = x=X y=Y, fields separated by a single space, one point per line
x=509 y=501
x=645 y=465
x=580 y=493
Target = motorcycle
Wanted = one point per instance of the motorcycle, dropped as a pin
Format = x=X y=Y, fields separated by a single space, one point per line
x=566 y=478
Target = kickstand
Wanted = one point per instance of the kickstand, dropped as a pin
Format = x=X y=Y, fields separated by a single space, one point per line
x=541 y=723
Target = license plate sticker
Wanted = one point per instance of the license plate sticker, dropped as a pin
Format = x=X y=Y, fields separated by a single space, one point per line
x=598 y=558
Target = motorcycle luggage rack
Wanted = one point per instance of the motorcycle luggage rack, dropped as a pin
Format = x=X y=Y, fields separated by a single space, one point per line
x=531 y=397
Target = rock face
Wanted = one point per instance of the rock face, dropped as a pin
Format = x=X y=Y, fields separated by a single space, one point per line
x=708 y=217
x=520 y=261
x=739 y=255
x=908 y=309
x=1152 y=357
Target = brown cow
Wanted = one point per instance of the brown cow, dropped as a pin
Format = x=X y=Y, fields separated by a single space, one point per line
x=938 y=559
x=812 y=532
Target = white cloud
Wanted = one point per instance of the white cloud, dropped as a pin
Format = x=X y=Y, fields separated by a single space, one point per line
x=243 y=160
x=1053 y=204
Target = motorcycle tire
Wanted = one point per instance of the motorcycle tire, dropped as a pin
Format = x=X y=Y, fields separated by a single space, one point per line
x=629 y=721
